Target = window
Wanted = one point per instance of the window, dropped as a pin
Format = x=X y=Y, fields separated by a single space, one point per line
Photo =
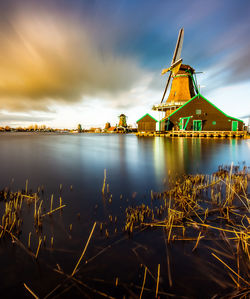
x=214 y=122
x=198 y=111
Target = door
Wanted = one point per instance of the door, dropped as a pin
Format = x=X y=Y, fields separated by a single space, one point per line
x=183 y=123
x=234 y=125
x=197 y=125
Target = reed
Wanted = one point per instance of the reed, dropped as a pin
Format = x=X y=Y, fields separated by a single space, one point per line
x=51 y=202
x=246 y=282
x=52 y=211
x=38 y=247
x=84 y=250
x=157 y=282
x=30 y=291
x=104 y=182
x=195 y=207
x=116 y=281
x=26 y=186
x=144 y=280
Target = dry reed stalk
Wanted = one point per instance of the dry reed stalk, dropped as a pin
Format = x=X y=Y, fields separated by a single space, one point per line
x=84 y=250
x=229 y=186
x=144 y=280
x=79 y=282
x=198 y=240
x=193 y=211
x=40 y=206
x=31 y=292
x=26 y=186
x=13 y=223
x=161 y=225
x=170 y=228
x=238 y=262
x=104 y=182
x=230 y=268
x=218 y=228
x=35 y=210
x=29 y=240
x=51 y=202
x=38 y=247
x=234 y=280
x=50 y=212
x=116 y=281
x=28 y=196
x=157 y=283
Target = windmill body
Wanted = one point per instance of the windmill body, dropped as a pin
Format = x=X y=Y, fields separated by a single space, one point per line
x=122 y=121
x=183 y=86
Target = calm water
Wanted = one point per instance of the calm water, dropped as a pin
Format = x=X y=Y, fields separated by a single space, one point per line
x=135 y=166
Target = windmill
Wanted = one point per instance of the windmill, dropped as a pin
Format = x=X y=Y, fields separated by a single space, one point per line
x=183 y=86
x=122 y=121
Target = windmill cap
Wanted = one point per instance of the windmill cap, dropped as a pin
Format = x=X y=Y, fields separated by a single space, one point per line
x=187 y=67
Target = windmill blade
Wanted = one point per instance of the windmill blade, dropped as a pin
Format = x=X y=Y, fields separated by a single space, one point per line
x=178 y=47
x=176 y=61
x=174 y=67
x=166 y=88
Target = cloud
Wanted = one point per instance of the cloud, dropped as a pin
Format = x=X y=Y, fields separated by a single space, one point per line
x=245 y=116
x=14 y=117
x=50 y=57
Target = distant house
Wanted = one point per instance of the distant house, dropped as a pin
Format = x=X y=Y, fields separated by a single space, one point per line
x=199 y=114
x=146 y=123
x=111 y=129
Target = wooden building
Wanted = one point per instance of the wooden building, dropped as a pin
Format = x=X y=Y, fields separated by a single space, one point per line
x=146 y=123
x=199 y=114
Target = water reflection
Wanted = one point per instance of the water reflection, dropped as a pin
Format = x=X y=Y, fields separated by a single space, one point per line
x=191 y=155
x=132 y=163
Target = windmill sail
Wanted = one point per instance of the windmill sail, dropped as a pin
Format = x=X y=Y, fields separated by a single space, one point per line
x=178 y=47
x=166 y=88
x=176 y=59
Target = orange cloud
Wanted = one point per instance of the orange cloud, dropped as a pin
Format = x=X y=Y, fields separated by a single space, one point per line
x=49 y=58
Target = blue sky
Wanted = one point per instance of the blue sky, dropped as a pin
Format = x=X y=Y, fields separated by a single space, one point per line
x=69 y=62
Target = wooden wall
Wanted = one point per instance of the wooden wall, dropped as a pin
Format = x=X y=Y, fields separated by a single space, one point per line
x=212 y=118
x=146 y=124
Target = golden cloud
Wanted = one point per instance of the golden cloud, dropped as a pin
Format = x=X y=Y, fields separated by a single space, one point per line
x=50 y=58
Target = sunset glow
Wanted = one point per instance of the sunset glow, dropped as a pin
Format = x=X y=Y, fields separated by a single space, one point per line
x=69 y=62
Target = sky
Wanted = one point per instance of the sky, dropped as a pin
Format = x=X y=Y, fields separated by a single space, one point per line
x=84 y=61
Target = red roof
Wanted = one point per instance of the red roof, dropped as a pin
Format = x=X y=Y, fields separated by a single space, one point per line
x=111 y=129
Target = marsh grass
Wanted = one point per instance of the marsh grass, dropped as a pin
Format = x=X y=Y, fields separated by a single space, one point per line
x=209 y=212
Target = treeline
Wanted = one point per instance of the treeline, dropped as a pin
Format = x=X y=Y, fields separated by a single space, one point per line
x=32 y=128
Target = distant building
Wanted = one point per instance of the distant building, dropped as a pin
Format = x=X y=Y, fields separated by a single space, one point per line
x=107 y=126
x=111 y=129
x=79 y=128
x=122 y=121
x=146 y=123
x=199 y=114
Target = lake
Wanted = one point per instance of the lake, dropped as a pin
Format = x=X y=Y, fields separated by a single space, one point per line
x=134 y=166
